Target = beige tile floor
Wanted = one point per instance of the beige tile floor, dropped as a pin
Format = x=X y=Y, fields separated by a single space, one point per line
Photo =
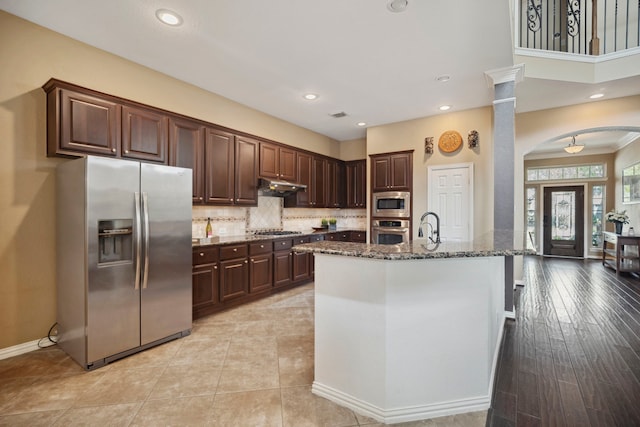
x=250 y=366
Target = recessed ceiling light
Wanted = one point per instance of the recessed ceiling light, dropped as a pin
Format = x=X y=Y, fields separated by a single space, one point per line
x=596 y=95
x=169 y=17
x=397 y=5
x=443 y=78
x=310 y=96
x=361 y=124
x=445 y=107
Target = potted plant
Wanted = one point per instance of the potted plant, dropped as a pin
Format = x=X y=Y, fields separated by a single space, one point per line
x=618 y=219
x=324 y=223
x=332 y=223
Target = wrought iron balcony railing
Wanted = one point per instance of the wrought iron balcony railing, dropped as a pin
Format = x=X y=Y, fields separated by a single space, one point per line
x=590 y=27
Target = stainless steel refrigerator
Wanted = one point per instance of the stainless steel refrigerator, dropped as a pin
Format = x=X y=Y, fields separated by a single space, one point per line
x=123 y=257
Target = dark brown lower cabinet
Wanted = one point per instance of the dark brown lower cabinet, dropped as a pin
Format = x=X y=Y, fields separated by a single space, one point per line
x=228 y=275
x=312 y=260
x=234 y=272
x=205 y=285
x=282 y=262
x=205 y=281
x=358 y=236
x=339 y=236
x=260 y=267
x=301 y=261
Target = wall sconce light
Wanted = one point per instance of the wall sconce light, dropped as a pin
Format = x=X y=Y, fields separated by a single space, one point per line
x=473 y=139
x=428 y=145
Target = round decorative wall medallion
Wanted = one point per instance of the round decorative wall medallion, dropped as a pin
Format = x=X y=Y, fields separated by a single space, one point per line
x=450 y=141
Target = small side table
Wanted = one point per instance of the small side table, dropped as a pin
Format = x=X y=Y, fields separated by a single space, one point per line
x=624 y=253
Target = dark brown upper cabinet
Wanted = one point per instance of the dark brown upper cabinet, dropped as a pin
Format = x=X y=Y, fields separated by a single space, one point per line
x=318 y=182
x=246 y=171
x=226 y=163
x=392 y=171
x=186 y=150
x=231 y=169
x=336 y=184
x=145 y=134
x=356 y=186
x=277 y=162
x=79 y=123
x=302 y=199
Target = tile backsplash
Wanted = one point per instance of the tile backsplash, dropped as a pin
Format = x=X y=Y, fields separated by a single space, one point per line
x=270 y=215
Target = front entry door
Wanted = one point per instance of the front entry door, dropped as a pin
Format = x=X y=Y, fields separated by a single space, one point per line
x=563 y=223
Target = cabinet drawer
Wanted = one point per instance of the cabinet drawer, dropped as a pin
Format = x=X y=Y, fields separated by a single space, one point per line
x=260 y=248
x=205 y=255
x=301 y=240
x=233 y=251
x=358 y=236
x=282 y=245
x=317 y=238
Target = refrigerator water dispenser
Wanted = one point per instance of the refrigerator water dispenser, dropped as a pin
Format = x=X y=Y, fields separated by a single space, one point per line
x=115 y=237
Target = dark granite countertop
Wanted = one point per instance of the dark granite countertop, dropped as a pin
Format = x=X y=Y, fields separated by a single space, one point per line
x=495 y=243
x=247 y=238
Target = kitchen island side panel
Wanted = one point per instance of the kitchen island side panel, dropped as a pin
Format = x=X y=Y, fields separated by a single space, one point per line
x=403 y=340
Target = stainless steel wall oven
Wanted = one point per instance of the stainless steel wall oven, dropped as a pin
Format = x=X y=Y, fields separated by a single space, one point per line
x=390 y=231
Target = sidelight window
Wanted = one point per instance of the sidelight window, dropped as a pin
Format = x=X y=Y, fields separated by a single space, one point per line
x=531 y=217
x=597 y=208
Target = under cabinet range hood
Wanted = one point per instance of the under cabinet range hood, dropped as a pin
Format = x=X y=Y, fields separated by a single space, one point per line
x=269 y=187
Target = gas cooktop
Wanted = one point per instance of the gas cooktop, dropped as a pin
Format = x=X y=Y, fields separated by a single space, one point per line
x=276 y=233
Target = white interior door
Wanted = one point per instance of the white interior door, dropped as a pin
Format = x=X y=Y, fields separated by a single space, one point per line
x=450 y=195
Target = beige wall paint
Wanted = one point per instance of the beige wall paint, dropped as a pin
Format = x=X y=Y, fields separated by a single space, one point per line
x=410 y=135
x=626 y=157
x=355 y=149
x=31 y=55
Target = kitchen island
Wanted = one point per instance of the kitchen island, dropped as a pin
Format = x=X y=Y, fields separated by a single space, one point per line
x=411 y=331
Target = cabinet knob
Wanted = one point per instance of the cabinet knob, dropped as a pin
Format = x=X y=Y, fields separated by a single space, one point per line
x=247 y=262
x=201 y=253
x=282 y=243
x=261 y=246
x=126 y=151
x=235 y=249
x=113 y=150
x=200 y=198
x=215 y=267
x=253 y=260
x=231 y=200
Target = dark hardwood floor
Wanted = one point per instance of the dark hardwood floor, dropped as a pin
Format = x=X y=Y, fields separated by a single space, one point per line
x=572 y=356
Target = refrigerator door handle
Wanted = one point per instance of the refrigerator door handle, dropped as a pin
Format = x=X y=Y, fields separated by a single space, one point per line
x=145 y=209
x=138 y=242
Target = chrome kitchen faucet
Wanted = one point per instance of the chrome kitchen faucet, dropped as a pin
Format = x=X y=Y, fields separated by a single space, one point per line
x=432 y=231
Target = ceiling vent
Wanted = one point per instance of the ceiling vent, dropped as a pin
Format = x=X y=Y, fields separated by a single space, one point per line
x=338 y=115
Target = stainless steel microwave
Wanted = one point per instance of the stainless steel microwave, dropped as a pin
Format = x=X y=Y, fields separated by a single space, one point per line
x=391 y=204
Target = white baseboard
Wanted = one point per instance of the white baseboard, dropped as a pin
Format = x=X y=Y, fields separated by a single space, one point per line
x=19 y=349
x=398 y=415
x=510 y=314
